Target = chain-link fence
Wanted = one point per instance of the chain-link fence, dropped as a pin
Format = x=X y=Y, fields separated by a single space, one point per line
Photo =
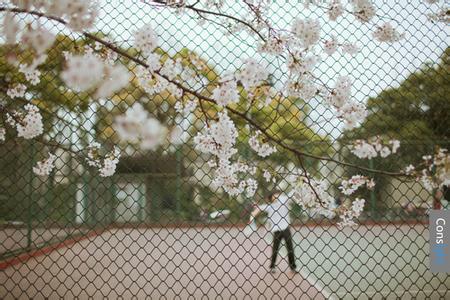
x=157 y=228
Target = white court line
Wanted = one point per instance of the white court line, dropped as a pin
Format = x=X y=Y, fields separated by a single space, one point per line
x=309 y=276
x=315 y=283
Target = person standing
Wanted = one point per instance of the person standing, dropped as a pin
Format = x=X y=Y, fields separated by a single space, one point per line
x=279 y=222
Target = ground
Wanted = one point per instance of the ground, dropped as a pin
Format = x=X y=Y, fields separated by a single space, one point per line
x=378 y=260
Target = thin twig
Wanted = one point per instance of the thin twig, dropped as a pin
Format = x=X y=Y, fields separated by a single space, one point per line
x=218 y=14
x=308 y=181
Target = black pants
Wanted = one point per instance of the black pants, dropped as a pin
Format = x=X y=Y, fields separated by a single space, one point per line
x=286 y=235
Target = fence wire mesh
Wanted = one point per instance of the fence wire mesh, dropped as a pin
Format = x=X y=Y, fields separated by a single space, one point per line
x=158 y=229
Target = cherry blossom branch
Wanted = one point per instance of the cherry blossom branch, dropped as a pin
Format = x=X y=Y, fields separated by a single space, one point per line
x=354 y=13
x=202 y=97
x=4 y=110
x=308 y=181
x=218 y=24
x=218 y=14
x=204 y=113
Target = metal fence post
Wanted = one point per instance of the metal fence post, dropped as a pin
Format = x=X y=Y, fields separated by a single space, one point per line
x=373 y=198
x=30 y=196
x=178 y=181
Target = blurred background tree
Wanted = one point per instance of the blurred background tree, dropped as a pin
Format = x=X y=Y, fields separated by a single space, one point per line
x=76 y=120
x=417 y=113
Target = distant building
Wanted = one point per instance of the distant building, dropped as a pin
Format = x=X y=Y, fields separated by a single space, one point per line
x=144 y=189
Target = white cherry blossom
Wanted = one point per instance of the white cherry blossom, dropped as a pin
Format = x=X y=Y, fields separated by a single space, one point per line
x=387 y=33
x=11 y=28
x=252 y=74
x=2 y=134
x=115 y=78
x=45 y=167
x=136 y=126
x=336 y=10
x=145 y=39
x=39 y=39
x=83 y=72
x=17 y=91
x=262 y=149
x=374 y=147
x=106 y=164
x=330 y=46
x=350 y=186
x=226 y=93
x=29 y=123
x=364 y=10
x=307 y=31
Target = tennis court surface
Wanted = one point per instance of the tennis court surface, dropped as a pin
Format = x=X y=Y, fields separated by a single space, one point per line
x=222 y=262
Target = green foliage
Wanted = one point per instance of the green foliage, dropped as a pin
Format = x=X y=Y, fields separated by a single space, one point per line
x=50 y=93
x=417 y=113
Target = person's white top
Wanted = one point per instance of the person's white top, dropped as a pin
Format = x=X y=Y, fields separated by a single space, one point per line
x=278 y=213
